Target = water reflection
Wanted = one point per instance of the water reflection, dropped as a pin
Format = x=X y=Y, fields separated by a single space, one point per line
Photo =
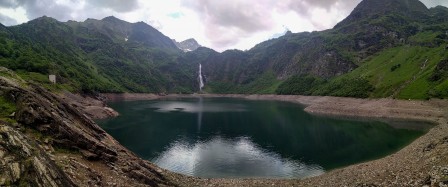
x=238 y=157
x=201 y=108
x=223 y=137
x=190 y=107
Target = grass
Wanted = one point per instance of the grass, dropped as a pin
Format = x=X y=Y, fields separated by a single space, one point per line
x=44 y=81
x=267 y=83
x=6 y=107
x=441 y=90
x=410 y=74
x=424 y=37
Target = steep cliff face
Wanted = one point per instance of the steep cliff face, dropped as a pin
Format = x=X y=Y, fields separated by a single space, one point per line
x=187 y=45
x=50 y=143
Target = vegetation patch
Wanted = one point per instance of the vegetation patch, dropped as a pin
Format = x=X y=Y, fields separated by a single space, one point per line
x=393 y=68
x=344 y=87
x=267 y=83
x=299 y=85
x=7 y=107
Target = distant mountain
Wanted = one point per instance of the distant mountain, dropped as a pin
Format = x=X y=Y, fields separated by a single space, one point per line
x=326 y=62
x=384 y=48
x=121 y=31
x=108 y=55
x=374 y=8
x=187 y=45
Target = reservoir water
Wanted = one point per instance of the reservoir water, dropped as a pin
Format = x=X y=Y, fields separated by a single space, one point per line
x=238 y=138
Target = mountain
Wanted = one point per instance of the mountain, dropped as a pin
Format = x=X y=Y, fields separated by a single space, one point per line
x=187 y=45
x=375 y=8
x=108 y=55
x=384 y=48
x=121 y=31
x=327 y=62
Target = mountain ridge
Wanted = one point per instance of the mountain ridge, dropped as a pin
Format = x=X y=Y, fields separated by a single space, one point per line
x=368 y=8
x=135 y=57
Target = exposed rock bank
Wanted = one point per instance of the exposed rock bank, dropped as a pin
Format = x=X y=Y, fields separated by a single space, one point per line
x=55 y=144
x=91 y=105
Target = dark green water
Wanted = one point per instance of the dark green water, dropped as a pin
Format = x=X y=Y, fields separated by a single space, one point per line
x=224 y=137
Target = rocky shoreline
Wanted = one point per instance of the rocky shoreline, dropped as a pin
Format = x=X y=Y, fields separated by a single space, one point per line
x=54 y=137
x=93 y=106
x=432 y=110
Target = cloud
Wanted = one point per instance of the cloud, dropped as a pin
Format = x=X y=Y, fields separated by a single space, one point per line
x=228 y=21
x=305 y=8
x=38 y=8
x=116 y=5
x=8 y=3
x=5 y=20
x=71 y=9
x=433 y=3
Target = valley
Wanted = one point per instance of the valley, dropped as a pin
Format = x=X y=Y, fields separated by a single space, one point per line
x=386 y=61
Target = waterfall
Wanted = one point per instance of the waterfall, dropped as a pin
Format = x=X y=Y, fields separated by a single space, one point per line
x=201 y=83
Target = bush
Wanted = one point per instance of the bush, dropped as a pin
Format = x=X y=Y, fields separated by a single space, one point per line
x=298 y=85
x=357 y=87
x=6 y=107
x=393 y=68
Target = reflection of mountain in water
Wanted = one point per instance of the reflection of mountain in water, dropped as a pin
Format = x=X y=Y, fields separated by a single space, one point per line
x=190 y=107
x=276 y=134
x=238 y=157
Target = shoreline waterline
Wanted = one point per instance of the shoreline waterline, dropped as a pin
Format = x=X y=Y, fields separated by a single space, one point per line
x=412 y=165
x=253 y=133
x=414 y=110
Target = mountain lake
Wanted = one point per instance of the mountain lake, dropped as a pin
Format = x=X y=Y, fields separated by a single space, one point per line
x=239 y=138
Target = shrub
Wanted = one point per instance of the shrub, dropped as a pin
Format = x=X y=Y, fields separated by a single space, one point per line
x=298 y=85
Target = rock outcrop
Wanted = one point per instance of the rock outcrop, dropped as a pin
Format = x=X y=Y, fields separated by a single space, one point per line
x=187 y=45
x=24 y=162
x=55 y=144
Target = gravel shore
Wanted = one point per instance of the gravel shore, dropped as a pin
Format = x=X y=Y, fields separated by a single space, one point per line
x=422 y=163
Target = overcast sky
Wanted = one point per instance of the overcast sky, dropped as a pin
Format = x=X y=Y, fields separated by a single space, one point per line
x=218 y=24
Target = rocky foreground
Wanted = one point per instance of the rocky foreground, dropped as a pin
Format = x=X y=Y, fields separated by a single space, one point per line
x=51 y=140
x=53 y=143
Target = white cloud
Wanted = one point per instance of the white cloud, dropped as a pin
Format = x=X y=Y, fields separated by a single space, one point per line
x=17 y=14
x=433 y=3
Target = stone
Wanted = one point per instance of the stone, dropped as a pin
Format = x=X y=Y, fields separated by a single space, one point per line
x=89 y=155
x=15 y=171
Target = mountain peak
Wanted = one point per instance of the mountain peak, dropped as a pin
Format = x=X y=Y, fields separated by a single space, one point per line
x=383 y=6
x=187 y=45
x=108 y=18
x=368 y=8
x=45 y=19
x=113 y=19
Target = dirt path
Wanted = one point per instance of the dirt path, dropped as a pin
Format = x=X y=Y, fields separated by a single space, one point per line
x=423 y=162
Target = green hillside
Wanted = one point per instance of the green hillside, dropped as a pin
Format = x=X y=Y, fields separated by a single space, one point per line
x=384 y=48
x=89 y=56
x=405 y=72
